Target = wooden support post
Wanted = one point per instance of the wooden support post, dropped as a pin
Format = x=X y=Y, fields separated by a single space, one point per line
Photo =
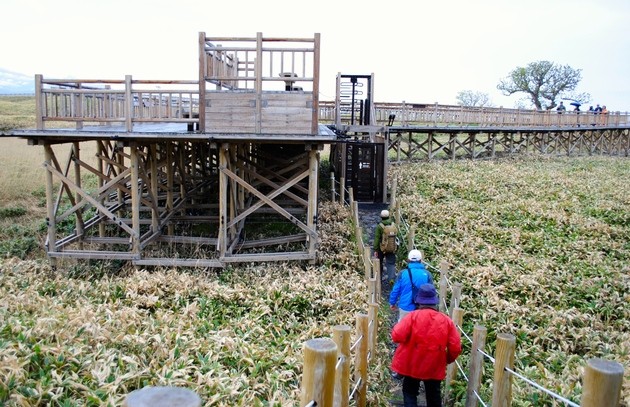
x=50 y=203
x=502 y=381
x=475 y=365
x=155 y=215
x=351 y=198
x=318 y=378
x=361 y=359
x=311 y=217
x=77 y=197
x=332 y=187
x=373 y=318
x=602 y=383
x=451 y=370
x=129 y=104
x=39 y=103
x=170 y=178
x=455 y=297
x=376 y=272
x=443 y=285
x=223 y=201
x=342 y=190
x=100 y=166
x=341 y=337
x=135 y=199
x=162 y=397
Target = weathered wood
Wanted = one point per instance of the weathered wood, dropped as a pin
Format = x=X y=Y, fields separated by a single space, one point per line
x=361 y=359
x=475 y=365
x=602 y=383
x=502 y=381
x=318 y=377
x=341 y=337
x=451 y=369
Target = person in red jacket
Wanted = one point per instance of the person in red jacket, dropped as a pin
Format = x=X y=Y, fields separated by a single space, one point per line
x=427 y=341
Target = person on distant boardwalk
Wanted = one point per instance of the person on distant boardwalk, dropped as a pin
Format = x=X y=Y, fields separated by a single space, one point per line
x=604 y=116
x=561 y=108
x=415 y=274
x=427 y=341
x=385 y=245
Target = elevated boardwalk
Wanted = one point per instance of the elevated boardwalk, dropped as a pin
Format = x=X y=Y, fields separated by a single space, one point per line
x=189 y=170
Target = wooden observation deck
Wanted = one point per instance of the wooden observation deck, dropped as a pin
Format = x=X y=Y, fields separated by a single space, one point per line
x=188 y=173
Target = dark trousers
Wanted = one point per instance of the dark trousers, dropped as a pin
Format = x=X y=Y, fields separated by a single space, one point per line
x=432 y=391
x=388 y=265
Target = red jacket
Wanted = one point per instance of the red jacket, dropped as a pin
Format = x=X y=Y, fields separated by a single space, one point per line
x=427 y=340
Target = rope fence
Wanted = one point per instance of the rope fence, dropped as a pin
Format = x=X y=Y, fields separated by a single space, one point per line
x=327 y=373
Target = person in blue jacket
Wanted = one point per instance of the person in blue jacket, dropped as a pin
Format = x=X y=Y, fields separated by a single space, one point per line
x=401 y=295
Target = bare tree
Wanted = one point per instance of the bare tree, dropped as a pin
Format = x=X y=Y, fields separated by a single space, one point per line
x=472 y=98
x=543 y=81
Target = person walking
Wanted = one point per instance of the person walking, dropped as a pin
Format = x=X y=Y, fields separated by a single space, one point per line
x=415 y=274
x=385 y=246
x=427 y=340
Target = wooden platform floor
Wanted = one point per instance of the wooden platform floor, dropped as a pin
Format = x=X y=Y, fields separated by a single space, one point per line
x=161 y=131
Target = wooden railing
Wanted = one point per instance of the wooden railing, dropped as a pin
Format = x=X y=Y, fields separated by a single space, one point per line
x=125 y=101
x=129 y=101
x=414 y=114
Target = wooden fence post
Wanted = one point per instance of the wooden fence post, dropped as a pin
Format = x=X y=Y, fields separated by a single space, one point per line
x=342 y=190
x=360 y=359
x=475 y=365
x=341 y=336
x=162 y=397
x=358 y=231
x=502 y=381
x=393 y=192
x=411 y=236
x=371 y=282
x=602 y=383
x=443 y=285
x=373 y=319
x=451 y=370
x=332 y=187
x=367 y=262
x=455 y=297
x=318 y=378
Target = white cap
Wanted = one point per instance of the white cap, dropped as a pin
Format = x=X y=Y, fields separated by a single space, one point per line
x=415 y=255
x=384 y=213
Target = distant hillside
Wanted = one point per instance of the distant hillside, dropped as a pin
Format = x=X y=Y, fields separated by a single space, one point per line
x=13 y=83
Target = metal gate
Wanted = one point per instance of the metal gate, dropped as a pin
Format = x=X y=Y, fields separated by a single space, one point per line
x=364 y=171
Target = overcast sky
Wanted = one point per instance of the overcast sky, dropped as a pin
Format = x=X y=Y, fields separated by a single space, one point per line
x=419 y=51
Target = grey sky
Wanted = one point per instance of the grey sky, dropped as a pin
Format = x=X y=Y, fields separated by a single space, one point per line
x=419 y=51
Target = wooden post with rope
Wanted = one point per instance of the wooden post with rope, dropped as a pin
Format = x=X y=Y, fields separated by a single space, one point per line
x=451 y=370
x=361 y=359
x=341 y=337
x=475 y=365
x=318 y=378
x=443 y=285
x=502 y=381
x=602 y=383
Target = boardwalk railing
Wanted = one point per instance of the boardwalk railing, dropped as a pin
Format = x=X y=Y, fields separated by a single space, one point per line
x=328 y=378
x=125 y=101
x=413 y=114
